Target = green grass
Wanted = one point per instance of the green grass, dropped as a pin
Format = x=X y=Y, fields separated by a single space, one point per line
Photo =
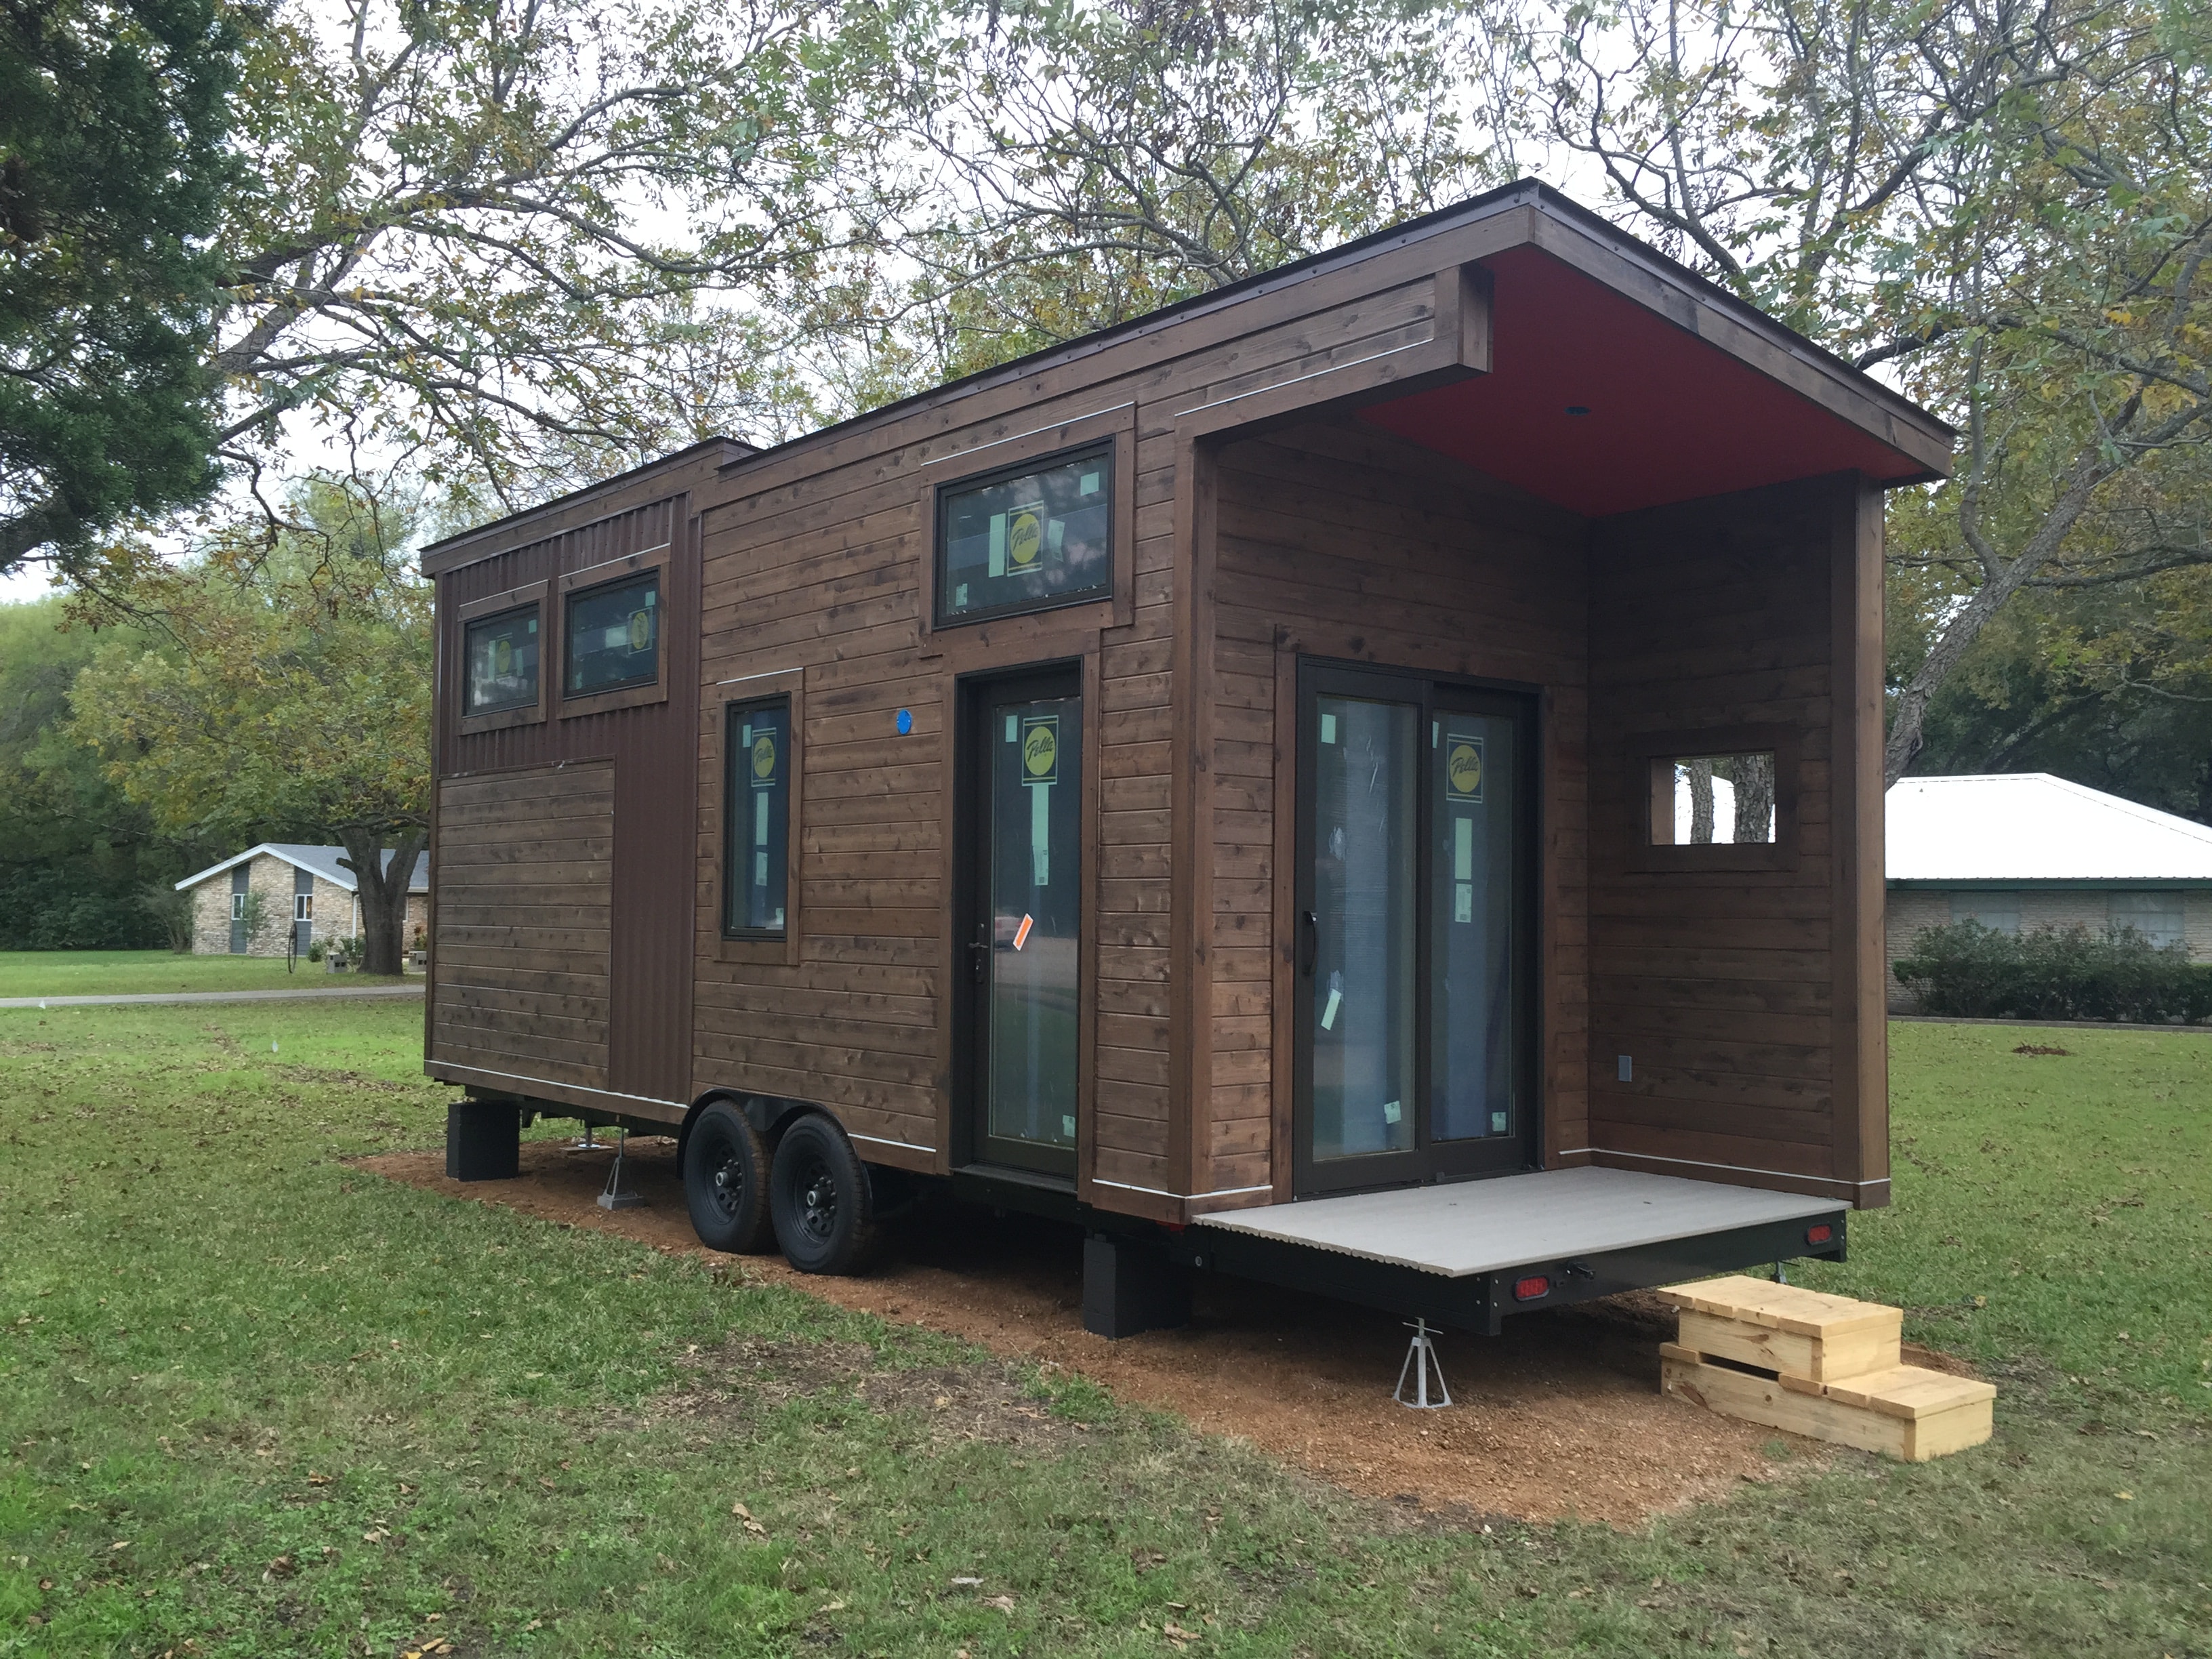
x=112 y=973
x=255 y=1400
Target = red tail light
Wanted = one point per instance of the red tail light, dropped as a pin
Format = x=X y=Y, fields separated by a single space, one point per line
x=1819 y=1235
x=1531 y=1290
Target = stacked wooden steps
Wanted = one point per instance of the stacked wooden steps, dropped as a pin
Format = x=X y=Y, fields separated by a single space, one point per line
x=1823 y=1366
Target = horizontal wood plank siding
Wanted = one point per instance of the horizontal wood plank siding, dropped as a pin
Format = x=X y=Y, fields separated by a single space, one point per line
x=522 y=923
x=1720 y=985
x=1342 y=542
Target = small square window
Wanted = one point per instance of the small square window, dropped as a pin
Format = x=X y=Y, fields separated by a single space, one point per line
x=1026 y=539
x=757 y=820
x=1713 y=801
x=613 y=637
x=502 y=653
x=303 y=907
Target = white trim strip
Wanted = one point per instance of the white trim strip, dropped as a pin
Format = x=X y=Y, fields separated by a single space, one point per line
x=1158 y=1192
x=1037 y=431
x=573 y=1088
x=1741 y=1168
x=1319 y=374
x=879 y=1140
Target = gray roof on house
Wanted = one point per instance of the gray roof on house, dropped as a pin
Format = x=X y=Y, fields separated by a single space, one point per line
x=321 y=861
x=2020 y=827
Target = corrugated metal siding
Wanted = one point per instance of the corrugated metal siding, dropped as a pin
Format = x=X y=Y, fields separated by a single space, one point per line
x=654 y=751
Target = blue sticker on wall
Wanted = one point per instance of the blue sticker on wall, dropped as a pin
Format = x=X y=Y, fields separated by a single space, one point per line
x=905 y=722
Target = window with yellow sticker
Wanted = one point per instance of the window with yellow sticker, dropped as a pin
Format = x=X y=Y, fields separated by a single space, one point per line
x=613 y=637
x=757 y=820
x=1026 y=539
x=502 y=653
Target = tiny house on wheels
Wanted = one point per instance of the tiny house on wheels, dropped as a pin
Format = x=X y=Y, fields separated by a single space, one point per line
x=1369 y=779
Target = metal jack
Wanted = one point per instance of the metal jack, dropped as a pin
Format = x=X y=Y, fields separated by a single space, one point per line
x=1421 y=1360
x=614 y=1198
x=586 y=1145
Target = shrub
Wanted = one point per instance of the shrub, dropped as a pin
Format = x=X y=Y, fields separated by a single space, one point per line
x=1968 y=971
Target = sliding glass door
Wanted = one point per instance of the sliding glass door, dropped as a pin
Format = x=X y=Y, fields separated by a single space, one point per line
x=1415 y=1034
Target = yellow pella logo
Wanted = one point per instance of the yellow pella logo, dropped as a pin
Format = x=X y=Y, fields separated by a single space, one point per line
x=1025 y=537
x=1040 y=751
x=640 y=629
x=502 y=658
x=764 y=756
x=1464 y=767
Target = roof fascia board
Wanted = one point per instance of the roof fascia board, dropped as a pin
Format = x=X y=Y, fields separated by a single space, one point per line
x=1409 y=255
x=564 y=514
x=233 y=862
x=2003 y=883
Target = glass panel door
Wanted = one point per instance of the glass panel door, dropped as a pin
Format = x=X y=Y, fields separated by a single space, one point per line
x=1413 y=1051
x=1475 y=1035
x=1027 y=930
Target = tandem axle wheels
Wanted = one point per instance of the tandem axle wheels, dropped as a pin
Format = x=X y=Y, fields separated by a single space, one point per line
x=809 y=1190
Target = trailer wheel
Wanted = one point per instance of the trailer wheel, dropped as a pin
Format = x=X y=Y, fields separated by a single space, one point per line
x=819 y=1196
x=726 y=1172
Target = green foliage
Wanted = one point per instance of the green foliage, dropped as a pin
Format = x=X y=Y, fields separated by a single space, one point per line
x=1969 y=971
x=292 y=702
x=114 y=161
x=74 y=853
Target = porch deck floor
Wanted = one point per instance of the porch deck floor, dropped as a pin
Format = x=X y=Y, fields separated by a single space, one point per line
x=1509 y=1221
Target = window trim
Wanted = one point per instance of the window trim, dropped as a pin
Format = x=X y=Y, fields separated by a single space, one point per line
x=577 y=583
x=1647 y=749
x=495 y=605
x=788 y=687
x=1035 y=628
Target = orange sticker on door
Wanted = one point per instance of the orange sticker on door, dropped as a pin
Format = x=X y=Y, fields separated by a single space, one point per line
x=1021 y=933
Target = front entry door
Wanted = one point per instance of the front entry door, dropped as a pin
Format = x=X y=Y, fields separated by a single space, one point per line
x=1024 y=918
x=1415 y=1042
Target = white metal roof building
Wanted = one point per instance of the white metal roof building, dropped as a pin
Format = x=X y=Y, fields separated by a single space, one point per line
x=305 y=884
x=2028 y=850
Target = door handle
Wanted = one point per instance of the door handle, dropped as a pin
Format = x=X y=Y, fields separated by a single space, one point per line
x=979 y=953
x=1310 y=924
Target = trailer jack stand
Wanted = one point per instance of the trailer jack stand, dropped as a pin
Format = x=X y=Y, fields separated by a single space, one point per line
x=1421 y=1360
x=614 y=1198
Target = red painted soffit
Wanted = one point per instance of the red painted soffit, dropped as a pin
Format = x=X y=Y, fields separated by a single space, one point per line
x=1671 y=417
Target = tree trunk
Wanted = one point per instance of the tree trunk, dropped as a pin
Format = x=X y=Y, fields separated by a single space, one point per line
x=1753 y=777
x=383 y=889
x=1701 y=802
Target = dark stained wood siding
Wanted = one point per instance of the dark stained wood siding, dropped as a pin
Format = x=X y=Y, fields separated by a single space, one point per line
x=1737 y=992
x=1342 y=542
x=526 y=892
x=651 y=753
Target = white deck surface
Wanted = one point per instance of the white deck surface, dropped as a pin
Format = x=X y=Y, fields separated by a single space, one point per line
x=1479 y=1226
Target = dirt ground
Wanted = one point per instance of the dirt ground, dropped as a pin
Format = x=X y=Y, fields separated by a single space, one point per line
x=1559 y=1416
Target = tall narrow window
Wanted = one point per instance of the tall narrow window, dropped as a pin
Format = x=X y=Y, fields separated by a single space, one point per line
x=1028 y=538
x=756 y=819
x=613 y=637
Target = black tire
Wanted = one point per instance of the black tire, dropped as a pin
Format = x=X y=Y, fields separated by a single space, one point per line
x=725 y=1176
x=819 y=1196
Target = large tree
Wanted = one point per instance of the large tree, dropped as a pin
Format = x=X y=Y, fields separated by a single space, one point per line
x=2006 y=204
x=291 y=699
x=113 y=165
x=519 y=243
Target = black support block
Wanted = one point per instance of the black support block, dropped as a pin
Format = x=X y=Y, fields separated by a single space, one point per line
x=1127 y=1289
x=484 y=1140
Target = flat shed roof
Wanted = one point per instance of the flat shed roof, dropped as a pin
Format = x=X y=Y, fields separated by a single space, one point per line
x=1471 y=1227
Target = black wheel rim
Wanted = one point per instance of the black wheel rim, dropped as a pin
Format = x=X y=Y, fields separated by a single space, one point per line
x=815 y=1189
x=726 y=1176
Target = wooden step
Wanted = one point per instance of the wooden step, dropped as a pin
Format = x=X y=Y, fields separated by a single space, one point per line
x=1786 y=1330
x=1904 y=1411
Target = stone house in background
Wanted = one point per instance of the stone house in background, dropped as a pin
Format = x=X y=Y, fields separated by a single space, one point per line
x=306 y=895
x=2023 y=851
